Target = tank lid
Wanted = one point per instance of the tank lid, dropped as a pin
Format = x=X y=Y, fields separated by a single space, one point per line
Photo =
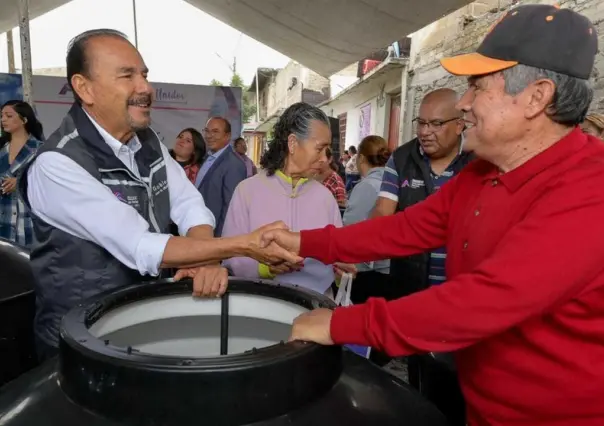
x=16 y=274
x=147 y=386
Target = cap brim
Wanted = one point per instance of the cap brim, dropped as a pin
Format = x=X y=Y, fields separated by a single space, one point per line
x=474 y=64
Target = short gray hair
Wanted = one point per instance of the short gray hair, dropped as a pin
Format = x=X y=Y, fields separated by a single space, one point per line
x=572 y=98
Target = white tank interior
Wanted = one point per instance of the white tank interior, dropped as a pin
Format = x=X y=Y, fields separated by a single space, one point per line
x=190 y=327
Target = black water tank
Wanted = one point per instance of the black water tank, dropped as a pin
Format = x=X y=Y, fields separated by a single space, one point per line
x=152 y=355
x=17 y=309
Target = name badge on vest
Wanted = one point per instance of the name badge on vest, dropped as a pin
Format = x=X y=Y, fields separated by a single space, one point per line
x=416 y=183
x=131 y=200
x=159 y=187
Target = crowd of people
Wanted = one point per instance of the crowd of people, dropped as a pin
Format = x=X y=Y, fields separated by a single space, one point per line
x=481 y=237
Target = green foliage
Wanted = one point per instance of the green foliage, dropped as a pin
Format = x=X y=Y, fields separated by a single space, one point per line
x=237 y=81
x=249 y=106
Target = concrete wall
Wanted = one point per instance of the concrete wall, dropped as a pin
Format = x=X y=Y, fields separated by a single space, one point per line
x=461 y=32
x=375 y=91
x=267 y=98
x=342 y=79
x=281 y=91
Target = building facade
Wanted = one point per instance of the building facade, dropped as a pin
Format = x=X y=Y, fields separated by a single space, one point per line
x=277 y=89
x=385 y=100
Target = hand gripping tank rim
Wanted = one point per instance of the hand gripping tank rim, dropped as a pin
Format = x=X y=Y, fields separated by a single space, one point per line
x=270 y=371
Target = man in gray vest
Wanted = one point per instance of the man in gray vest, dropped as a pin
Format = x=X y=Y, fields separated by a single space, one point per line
x=103 y=190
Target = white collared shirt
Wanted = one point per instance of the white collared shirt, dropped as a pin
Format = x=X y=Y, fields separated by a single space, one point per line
x=66 y=196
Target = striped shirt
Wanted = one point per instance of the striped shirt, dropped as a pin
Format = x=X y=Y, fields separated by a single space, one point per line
x=390 y=190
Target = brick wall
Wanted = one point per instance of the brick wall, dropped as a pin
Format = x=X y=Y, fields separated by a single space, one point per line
x=464 y=29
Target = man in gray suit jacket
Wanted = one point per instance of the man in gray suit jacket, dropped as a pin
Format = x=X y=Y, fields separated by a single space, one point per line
x=221 y=172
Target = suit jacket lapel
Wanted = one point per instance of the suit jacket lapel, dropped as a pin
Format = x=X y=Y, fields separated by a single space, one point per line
x=216 y=163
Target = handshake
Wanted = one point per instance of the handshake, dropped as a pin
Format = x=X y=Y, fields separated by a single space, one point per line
x=275 y=245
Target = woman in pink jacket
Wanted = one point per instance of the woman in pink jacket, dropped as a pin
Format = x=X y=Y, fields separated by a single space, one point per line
x=284 y=190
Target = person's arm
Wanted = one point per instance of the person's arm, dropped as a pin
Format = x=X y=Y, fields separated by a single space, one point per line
x=335 y=214
x=387 y=200
x=417 y=229
x=232 y=178
x=360 y=203
x=550 y=257
x=66 y=196
x=340 y=191
x=187 y=207
x=340 y=268
x=201 y=232
x=237 y=223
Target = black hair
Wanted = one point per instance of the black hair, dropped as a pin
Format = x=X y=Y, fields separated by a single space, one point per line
x=352 y=149
x=295 y=120
x=199 y=145
x=27 y=114
x=78 y=60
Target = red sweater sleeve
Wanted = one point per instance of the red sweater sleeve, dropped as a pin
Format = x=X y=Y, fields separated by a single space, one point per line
x=545 y=260
x=416 y=229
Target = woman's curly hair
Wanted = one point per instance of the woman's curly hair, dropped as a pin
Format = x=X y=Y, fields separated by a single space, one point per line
x=295 y=120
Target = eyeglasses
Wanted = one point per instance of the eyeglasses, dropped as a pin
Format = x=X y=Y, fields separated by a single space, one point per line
x=434 y=125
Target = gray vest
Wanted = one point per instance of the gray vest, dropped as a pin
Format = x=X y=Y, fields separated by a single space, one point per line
x=69 y=269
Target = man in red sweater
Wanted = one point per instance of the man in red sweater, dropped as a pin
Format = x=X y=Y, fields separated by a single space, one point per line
x=523 y=307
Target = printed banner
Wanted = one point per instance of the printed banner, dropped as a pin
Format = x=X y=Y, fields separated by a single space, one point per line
x=365 y=121
x=176 y=106
x=11 y=87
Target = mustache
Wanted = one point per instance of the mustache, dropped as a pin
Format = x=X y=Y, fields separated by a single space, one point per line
x=143 y=99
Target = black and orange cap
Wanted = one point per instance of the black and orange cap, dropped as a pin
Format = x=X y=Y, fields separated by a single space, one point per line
x=540 y=36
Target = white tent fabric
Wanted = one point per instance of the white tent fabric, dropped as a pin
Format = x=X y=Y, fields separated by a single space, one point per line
x=9 y=12
x=328 y=35
x=323 y=35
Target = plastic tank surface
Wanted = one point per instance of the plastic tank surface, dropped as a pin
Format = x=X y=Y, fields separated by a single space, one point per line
x=435 y=376
x=17 y=309
x=152 y=355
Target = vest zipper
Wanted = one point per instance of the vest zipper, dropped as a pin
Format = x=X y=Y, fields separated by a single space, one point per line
x=149 y=193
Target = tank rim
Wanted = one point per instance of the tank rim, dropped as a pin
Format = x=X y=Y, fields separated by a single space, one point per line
x=76 y=323
x=237 y=389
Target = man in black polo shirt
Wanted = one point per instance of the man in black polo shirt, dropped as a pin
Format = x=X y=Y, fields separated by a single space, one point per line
x=416 y=170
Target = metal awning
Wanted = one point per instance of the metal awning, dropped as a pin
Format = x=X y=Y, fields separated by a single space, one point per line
x=323 y=35
x=9 y=13
x=381 y=70
x=263 y=75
